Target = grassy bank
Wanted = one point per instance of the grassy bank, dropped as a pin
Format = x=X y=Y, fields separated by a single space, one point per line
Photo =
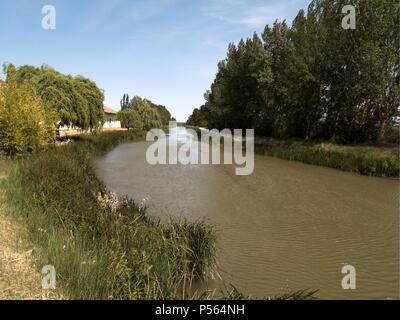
x=102 y=247
x=368 y=160
x=18 y=277
x=365 y=160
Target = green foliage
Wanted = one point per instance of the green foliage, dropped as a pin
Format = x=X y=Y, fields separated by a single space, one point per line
x=76 y=100
x=313 y=80
x=369 y=161
x=125 y=103
x=150 y=116
x=130 y=119
x=94 y=98
x=165 y=115
x=151 y=119
x=25 y=124
x=203 y=253
x=102 y=246
x=200 y=117
x=148 y=113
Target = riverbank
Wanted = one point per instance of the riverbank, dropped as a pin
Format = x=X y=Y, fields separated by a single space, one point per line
x=102 y=247
x=362 y=159
x=368 y=160
x=18 y=277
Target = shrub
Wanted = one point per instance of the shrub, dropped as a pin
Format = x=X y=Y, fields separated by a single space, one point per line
x=102 y=246
x=25 y=124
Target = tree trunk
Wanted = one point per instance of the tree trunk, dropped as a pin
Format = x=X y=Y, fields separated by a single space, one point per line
x=381 y=130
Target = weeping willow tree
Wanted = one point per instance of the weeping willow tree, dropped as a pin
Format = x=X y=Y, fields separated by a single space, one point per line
x=76 y=100
x=149 y=115
x=130 y=119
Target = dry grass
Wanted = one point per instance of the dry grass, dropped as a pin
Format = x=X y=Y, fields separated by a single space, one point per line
x=19 y=279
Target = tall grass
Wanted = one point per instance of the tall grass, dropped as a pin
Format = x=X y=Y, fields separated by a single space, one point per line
x=365 y=160
x=230 y=292
x=102 y=247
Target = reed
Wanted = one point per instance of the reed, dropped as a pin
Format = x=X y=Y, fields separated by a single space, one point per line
x=230 y=292
x=102 y=246
x=364 y=160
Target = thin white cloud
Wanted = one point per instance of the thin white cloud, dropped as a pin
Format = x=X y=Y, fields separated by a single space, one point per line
x=250 y=14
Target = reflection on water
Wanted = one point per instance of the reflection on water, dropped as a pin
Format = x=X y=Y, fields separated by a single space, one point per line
x=287 y=227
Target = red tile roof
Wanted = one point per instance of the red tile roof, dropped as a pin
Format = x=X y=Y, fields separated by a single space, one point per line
x=109 y=110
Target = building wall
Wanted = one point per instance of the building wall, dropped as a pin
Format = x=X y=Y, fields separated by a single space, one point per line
x=112 y=125
x=65 y=131
x=111 y=122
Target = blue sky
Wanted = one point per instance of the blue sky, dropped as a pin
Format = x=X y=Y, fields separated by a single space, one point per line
x=163 y=50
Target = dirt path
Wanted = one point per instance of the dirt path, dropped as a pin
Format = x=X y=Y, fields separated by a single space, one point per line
x=19 y=279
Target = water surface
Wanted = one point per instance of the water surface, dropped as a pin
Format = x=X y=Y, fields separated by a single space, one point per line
x=287 y=227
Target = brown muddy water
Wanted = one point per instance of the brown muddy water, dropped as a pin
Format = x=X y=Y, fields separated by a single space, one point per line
x=287 y=227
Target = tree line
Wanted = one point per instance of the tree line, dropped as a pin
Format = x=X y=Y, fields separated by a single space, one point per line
x=34 y=101
x=313 y=79
x=76 y=100
x=142 y=114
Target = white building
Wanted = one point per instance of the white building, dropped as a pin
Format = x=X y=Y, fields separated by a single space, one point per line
x=110 y=119
x=110 y=123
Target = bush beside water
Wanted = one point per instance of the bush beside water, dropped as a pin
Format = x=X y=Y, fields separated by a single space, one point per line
x=102 y=247
x=365 y=160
